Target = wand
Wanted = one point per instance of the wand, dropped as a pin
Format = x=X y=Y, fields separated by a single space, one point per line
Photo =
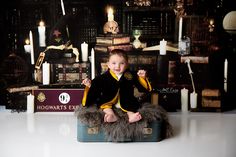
x=64 y=13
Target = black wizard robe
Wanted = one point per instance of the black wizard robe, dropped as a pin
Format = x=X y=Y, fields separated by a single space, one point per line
x=107 y=90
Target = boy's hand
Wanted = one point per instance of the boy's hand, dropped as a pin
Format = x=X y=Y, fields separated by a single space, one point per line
x=141 y=73
x=87 y=82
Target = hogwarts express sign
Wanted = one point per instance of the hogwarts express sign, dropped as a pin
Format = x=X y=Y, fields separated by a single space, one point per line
x=57 y=100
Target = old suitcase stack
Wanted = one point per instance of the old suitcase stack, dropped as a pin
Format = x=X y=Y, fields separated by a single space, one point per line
x=211 y=98
x=86 y=133
x=70 y=73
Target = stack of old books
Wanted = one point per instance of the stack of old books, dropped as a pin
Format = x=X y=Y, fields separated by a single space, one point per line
x=70 y=73
x=107 y=43
x=211 y=98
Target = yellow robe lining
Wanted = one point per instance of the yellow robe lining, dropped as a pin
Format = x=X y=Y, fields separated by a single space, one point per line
x=145 y=83
x=85 y=95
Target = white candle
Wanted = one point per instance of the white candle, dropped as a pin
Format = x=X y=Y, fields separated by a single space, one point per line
x=31 y=47
x=184 y=100
x=27 y=46
x=46 y=73
x=63 y=8
x=30 y=103
x=193 y=100
x=42 y=36
x=110 y=14
x=225 y=74
x=163 y=47
x=84 y=50
x=92 y=64
x=180 y=27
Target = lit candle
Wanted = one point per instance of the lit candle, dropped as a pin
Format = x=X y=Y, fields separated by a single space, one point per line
x=184 y=100
x=92 y=64
x=30 y=103
x=180 y=28
x=84 y=50
x=163 y=47
x=27 y=46
x=225 y=74
x=211 y=21
x=42 y=37
x=193 y=100
x=211 y=25
x=31 y=47
x=110 y=14
x=46 y=73
x=63 y=8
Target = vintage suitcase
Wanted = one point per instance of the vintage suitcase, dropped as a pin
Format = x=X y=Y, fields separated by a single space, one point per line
x=87 y=133
x=151 y=133
x=211 y=98
x=70 y=73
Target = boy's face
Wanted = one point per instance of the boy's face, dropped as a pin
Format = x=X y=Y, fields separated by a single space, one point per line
x=117 y=64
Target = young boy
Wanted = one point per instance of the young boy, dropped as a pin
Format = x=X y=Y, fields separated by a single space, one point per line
x=115 y=88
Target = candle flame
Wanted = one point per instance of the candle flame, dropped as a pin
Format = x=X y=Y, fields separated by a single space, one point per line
x=110 y=11
x=211 y=21
x=27 y=41
x=41 y=23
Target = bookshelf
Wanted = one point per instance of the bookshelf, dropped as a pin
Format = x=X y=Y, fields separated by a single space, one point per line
x=156 y=21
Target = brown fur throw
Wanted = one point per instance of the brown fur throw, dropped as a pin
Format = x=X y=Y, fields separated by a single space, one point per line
x=122 y=129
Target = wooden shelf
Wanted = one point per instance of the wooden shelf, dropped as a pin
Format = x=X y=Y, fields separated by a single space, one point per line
x=147 y=8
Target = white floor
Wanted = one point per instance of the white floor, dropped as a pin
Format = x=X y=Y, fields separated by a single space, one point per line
x=54 y=135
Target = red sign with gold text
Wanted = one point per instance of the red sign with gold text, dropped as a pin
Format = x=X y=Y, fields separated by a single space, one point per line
x=57 y=100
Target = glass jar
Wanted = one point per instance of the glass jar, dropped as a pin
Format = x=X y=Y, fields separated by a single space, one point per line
x=184 y=46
